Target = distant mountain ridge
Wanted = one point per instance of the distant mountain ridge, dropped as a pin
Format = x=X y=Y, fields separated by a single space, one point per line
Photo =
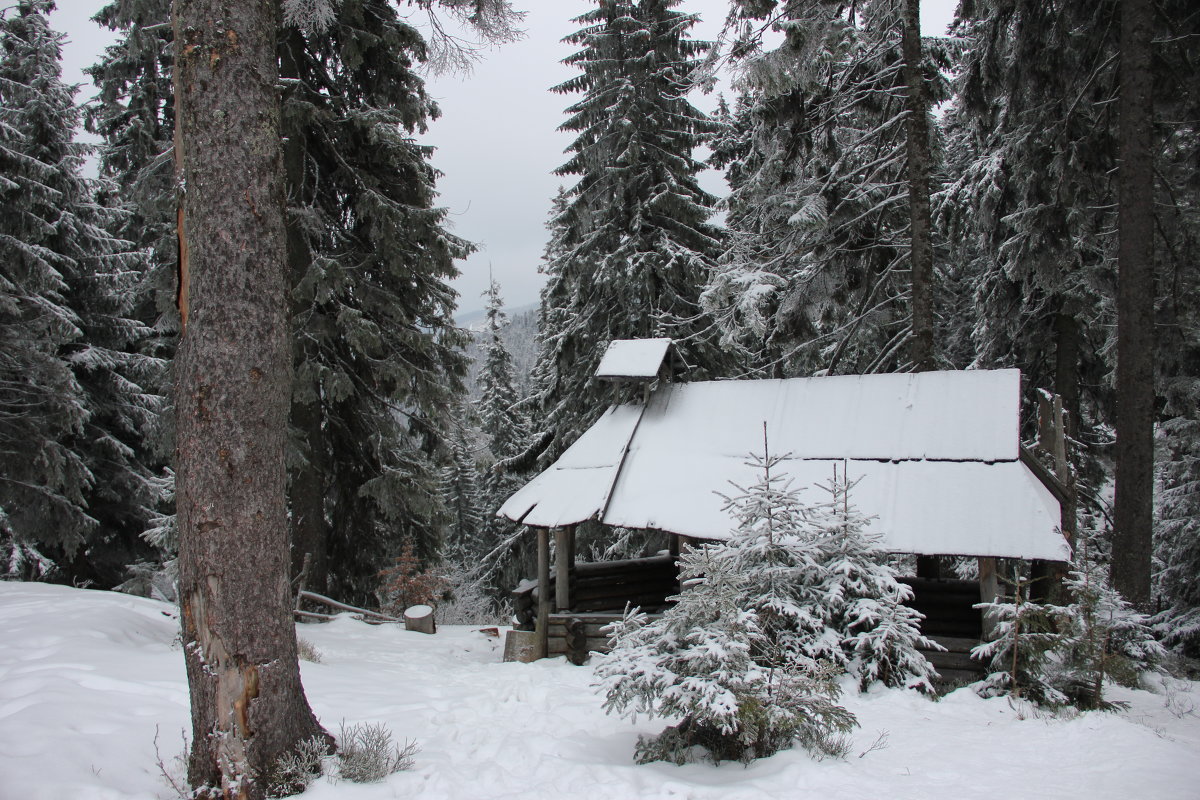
x=473 y=320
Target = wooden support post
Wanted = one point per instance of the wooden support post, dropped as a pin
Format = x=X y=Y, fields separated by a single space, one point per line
x=1049 y=576
x=562 y=568
x=989 y=590
x=543 y=609
x=929 y=567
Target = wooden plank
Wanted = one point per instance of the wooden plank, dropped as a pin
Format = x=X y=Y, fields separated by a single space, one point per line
x=957 y=676
x=602 y=582
x=625 y=565
x=562 y=569
x=956 y=644
x=629 y=590
x=593 y=617
x=543 y=614
x=938 y=629
x=953 y=661
x=654 y=600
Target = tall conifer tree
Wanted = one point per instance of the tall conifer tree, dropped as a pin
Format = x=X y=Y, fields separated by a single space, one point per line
x=378 y=359
x=633 y=244
x=505 y=430
x=377 y=362
x=1028 y=213
x=820 y=272
x=72 y=410
x=234 y=378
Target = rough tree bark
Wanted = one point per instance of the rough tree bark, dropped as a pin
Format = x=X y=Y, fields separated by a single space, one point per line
x=233 y=384
x=1133 y=499
x=921 y=256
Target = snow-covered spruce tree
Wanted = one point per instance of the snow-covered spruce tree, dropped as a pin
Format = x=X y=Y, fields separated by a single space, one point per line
x=1178 y=535
x=505 y=429
x=632 y=244
x=41 y=480
x=796 y=596
x=709 y=660
x=880 y=635
x=1103 y=639
x=377 y=359
x=72 y=410
x=823 y=591
x=1022 y=647
x=1028 y=214
x=460 y=492
x=134 y=113
x=817 y=273
x=1031 y=213
x=1057 y=655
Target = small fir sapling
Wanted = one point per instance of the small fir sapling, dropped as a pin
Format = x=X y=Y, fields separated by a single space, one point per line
x=748 y=653
x=827 y=592
x=709 y=661
x=1062 y=655
x=1020 y=653
x=1102 y=637
x=858 y=589
x=738 y=657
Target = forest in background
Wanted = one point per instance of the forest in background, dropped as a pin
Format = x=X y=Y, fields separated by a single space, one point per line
x=895 y=203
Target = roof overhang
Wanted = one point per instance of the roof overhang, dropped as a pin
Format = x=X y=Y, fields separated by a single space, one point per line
x=935 y=458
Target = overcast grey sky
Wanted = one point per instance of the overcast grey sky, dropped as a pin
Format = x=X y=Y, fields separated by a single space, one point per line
x=497 y=140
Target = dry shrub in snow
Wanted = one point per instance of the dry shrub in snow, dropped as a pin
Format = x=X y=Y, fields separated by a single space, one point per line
x=366 y=753
x=294 y=771
x=307 y=651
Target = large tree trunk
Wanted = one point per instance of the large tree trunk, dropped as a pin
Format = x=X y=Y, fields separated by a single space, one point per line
x=921 y=257
x=1133 y=501
x=232 y=390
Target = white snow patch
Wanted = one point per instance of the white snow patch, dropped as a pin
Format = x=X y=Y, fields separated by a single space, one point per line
x=87 y=677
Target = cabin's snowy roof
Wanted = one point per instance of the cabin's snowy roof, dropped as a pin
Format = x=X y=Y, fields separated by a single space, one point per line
x=633 y=358
x=935 y=455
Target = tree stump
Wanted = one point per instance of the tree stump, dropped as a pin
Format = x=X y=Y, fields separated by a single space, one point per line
x=420 y=619
x=577 y=649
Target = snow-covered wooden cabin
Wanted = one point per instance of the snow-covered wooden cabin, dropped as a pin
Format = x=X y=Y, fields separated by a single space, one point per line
x=936 y=455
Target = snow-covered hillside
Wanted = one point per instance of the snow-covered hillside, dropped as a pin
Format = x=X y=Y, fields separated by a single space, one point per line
x=88 y=680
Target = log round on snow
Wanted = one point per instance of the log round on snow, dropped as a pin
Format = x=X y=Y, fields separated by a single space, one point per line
x=420 y=619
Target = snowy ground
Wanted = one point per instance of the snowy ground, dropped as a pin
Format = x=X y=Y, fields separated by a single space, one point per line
x=88 y=678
